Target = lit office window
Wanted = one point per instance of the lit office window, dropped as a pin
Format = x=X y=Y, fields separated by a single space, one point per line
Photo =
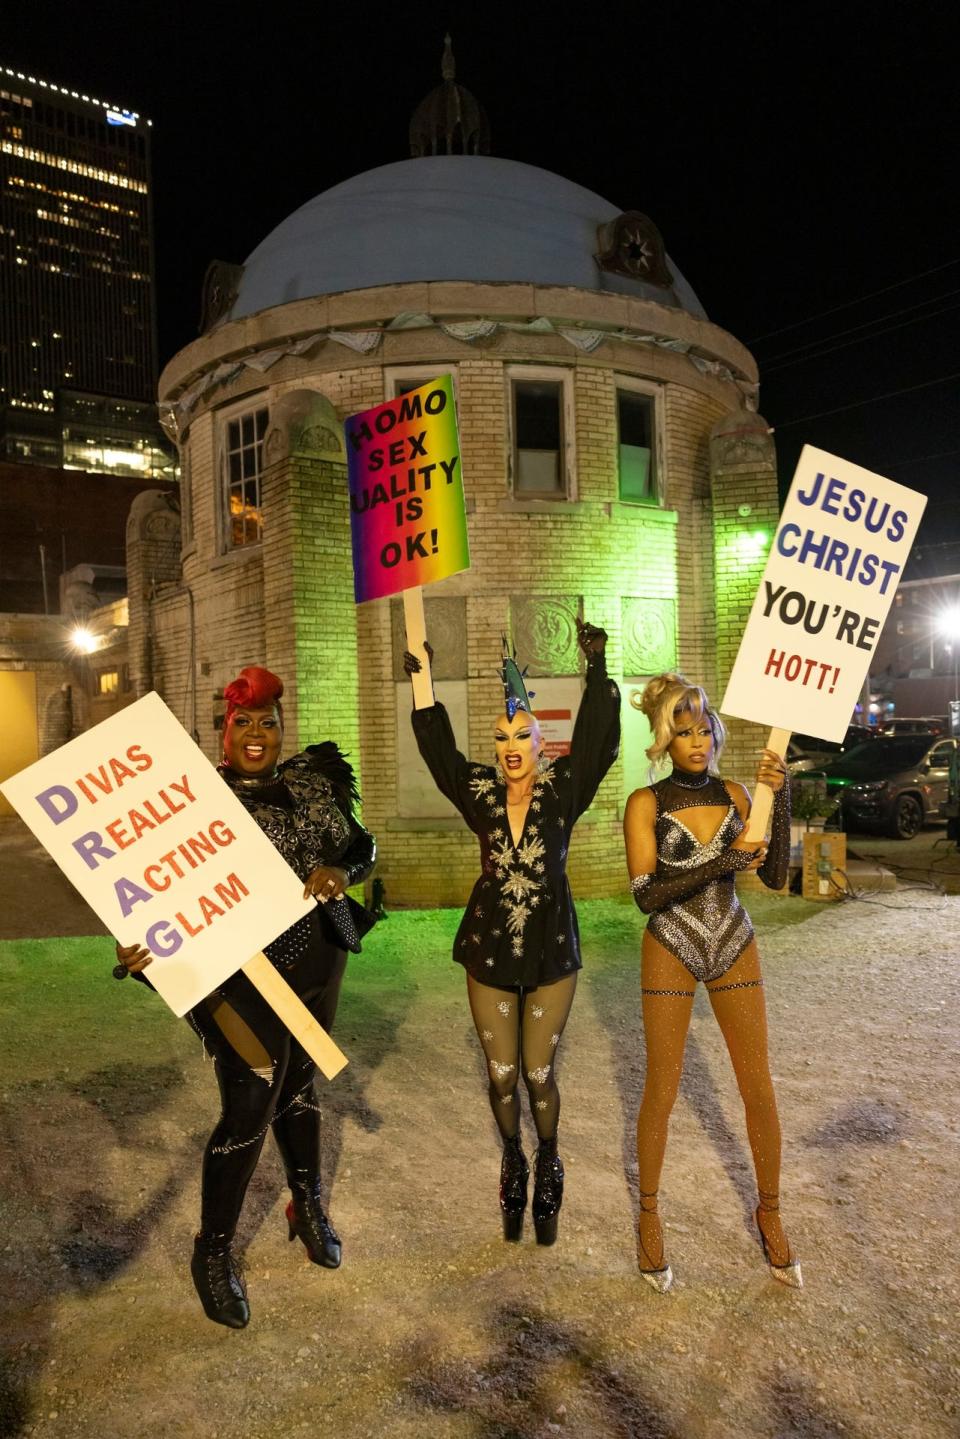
x=242 y=466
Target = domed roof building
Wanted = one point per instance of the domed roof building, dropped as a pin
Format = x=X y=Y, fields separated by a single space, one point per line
x=613 y=464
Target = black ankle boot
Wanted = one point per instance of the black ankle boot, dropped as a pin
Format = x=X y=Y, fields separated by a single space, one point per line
x=218 y=1280
x=306 y=1219
x=547 y=1191
x=514 y=1173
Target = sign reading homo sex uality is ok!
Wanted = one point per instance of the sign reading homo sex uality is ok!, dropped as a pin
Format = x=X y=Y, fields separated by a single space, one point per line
x=407 y=516
x=830 y=578
x=160 y=848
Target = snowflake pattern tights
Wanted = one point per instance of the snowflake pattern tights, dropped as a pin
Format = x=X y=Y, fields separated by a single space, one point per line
x=520 y=1032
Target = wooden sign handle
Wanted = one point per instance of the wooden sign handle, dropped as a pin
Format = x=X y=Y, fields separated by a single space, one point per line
x=295 y=1015
x=416 y=626
x=759 y=816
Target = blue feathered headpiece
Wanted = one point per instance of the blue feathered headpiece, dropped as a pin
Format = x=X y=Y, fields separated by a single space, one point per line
x=515 y=693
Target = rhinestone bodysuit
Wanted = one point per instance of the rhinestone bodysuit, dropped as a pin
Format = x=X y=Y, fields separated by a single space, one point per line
x=709 y=929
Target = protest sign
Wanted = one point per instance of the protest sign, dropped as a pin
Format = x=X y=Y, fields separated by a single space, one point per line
x=834 y=565
x=408 y=522
x=164 y=853
x=406 y=492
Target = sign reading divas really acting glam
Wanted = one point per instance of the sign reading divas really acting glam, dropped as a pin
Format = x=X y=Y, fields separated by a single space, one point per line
x=160 y=848
x=407 y=514
x=833 y=569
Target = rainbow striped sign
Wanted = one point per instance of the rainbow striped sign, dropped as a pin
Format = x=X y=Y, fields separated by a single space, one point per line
x=407 y=516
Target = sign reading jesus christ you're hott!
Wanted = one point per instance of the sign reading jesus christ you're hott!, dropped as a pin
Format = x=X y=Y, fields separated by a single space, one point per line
x=830 y=578
x=407 y=513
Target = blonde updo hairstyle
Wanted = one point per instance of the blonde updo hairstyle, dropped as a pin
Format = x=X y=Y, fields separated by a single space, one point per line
x=664 y=700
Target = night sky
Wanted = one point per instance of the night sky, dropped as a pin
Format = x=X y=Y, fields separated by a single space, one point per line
x=800 y=161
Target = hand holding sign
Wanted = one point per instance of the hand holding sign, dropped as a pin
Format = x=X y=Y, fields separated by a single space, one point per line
x=144 y=827
x=407 y=514
x=829 y=581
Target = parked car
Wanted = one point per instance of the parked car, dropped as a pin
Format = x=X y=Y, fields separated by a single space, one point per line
x=894 y=782
x=805 y=752
x=903 y=724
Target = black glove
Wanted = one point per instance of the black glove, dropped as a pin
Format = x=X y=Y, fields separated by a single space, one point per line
x=591 y=638
x=413 y=666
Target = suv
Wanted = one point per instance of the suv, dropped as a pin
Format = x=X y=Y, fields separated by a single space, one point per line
x=805 y=752
x=894 y=782
x=935 y=724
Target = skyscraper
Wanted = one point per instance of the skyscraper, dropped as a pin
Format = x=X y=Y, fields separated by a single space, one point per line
x=78 y=362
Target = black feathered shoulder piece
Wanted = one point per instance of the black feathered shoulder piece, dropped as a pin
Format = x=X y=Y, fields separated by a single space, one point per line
x=332 y=763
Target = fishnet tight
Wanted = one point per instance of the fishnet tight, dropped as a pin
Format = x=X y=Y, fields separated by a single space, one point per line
x=738 y=1004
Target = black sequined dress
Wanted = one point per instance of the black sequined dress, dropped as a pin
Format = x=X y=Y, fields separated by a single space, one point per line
x=520 y=927
x=695 y=911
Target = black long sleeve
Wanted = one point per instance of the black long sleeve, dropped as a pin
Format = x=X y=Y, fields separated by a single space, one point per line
x=653 y=892
x=596 y=734
x=360 y=855
x=776 y=865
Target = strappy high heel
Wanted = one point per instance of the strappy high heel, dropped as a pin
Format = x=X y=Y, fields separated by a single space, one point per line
x=788 y=1273
x=659 y=1277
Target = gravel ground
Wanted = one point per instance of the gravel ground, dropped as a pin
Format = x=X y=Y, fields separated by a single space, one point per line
x=433 y=1327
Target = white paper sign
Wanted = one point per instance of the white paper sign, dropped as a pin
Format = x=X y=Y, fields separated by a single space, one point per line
x=160 y=848
x=833 y=569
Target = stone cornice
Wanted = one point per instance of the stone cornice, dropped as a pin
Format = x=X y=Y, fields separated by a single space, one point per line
x=379 y=309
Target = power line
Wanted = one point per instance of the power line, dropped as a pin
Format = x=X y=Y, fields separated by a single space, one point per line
x=859 y=339
x=864 y=325
x=848 y=304
x=921 y=459
x=874 y=399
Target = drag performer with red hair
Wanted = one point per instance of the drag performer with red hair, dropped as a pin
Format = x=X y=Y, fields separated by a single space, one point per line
x=305 y=806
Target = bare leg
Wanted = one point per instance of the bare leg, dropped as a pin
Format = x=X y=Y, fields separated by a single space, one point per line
x=667 y=993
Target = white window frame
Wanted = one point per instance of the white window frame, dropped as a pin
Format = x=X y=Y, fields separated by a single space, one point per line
x=654 y=392
x=249 y=405
x=556 y=374
x=422 y=374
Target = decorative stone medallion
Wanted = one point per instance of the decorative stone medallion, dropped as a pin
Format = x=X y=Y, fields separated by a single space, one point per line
x=649 y=635
x=545 y=633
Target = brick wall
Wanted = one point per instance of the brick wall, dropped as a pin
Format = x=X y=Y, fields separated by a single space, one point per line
x=288 y=603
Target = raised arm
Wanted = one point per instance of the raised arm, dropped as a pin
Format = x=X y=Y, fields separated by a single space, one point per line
x=596 y=733
x=436 y=742
x=653 y=892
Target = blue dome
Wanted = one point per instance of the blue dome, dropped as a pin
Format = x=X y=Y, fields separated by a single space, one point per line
x=443 y=217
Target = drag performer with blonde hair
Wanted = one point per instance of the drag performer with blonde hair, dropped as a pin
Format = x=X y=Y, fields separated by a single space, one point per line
x=685 y=842
x=305 y=807
x=518 y=940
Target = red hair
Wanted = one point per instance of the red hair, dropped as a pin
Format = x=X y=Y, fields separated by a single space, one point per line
x=253 y=688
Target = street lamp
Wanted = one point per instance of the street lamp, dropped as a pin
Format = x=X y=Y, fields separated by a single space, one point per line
x=948 y=625
x=82 y=640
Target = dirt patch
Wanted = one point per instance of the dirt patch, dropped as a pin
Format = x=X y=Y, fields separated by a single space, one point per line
x=435 y=1328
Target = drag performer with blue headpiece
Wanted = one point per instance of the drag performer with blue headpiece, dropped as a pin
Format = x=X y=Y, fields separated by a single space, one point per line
x=518 y=939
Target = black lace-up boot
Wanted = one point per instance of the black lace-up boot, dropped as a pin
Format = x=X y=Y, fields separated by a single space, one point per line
x=547 y=1191
x=218 y=1280
x=307 y=1220
x=514 y=1173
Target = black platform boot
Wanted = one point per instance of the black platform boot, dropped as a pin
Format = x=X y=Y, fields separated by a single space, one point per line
x=218 y=1280
x=547 y=1191
x=307 y=1220
x=514 y=1173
